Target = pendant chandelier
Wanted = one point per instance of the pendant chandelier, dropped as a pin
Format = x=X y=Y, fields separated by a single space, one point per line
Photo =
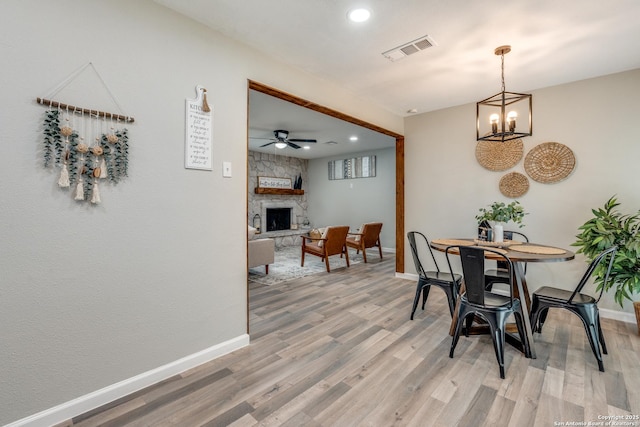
x=501 y=117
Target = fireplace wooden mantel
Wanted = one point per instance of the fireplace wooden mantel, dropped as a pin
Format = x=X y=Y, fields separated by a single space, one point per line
x=279 y=191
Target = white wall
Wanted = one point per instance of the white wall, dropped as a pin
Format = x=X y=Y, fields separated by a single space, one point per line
x=355 y=201
x=596 y=118
x=94 y=295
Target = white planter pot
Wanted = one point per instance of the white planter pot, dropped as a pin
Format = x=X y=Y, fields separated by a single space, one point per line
x=498 y=232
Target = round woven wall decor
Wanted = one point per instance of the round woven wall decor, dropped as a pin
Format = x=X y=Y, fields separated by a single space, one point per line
x=514 y=185
x=549 y=162
x=499 y=156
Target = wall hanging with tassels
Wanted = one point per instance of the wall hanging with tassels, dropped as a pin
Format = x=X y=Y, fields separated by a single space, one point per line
x=86 y=144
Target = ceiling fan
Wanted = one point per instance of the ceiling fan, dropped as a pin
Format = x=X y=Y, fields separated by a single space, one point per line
x=281 y=139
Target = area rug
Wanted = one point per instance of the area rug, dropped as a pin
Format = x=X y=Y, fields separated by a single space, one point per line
x=287 y=266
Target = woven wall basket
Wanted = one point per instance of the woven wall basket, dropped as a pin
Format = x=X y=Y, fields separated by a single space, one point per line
x=499 y=156
x=549 y=162
x=514 y=185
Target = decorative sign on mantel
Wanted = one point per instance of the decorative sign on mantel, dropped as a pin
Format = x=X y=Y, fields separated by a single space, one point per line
x=273 y=182
x=198 y=132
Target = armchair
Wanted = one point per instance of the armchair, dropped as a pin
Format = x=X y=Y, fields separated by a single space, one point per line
x=367 y=237
x=331 y=243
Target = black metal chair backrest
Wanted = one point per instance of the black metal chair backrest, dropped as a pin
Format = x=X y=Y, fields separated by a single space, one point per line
x=472 y=259
x=591 y=269
x=508 y=235
x=411 y=236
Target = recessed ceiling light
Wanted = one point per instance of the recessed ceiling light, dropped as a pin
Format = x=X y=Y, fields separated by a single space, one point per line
x=353 y=138
x=359 y=15
x=306 y=147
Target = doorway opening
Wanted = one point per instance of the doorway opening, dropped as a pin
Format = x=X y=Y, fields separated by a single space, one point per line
x=399 y=160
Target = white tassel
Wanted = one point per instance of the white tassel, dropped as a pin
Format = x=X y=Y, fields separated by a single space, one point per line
x=103 y=169
x=79 y=191
x=64 y=177
x=95 y=195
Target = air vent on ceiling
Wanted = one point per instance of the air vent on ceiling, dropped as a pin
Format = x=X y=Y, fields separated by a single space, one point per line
x=410 y=48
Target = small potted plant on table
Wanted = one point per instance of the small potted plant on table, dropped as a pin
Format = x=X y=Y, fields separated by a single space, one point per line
x=499 y=213
x=610 y=227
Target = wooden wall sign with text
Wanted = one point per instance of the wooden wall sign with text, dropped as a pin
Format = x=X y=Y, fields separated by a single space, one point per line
x=198 y=124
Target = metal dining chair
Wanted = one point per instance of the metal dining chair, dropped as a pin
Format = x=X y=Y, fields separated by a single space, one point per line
x=477 y=301
x=499 y=274
x=583 y=305
x=448 y=282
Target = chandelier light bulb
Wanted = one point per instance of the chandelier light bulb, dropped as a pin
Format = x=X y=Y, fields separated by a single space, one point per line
x=493 y=119
x=511 y=119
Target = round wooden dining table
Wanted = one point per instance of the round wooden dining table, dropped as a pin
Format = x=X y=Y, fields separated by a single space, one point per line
x=520 y=253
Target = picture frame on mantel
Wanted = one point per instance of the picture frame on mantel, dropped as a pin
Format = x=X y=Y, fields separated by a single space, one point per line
x=274 y=182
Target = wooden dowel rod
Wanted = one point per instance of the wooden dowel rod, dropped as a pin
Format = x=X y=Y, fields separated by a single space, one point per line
x=75 y=109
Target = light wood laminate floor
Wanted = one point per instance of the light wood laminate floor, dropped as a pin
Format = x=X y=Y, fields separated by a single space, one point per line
x=339 y=349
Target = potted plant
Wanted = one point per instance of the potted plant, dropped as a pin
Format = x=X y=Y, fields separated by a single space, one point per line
x=499 y=213
x=610 y=227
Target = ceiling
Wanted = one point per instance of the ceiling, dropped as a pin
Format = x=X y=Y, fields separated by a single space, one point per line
x=267 y=113
x=553 y=42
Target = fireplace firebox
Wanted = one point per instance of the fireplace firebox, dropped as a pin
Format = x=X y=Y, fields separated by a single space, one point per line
x=278 y=219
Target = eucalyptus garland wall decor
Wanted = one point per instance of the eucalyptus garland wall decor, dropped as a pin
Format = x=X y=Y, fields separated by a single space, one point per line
x=83 y=164
x=87 y=145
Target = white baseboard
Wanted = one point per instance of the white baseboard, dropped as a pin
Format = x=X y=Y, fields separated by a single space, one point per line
x=407 y=276
x=82 y=404
x=605 y=313
x=622 y=316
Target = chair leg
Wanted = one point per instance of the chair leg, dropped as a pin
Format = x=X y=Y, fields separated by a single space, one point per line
x=346 y=255
x=588 y=316
x=451 y=299
x=521 y=332
x=456 y=334
x=538 y=315
x=543 y=318
x=302 y=259
x=326 y=262
x=380 y=248
x=497 y=334
x=425 y=295
x=601 y=335
x=364 y=255
x=468 y=323
x=417 y=297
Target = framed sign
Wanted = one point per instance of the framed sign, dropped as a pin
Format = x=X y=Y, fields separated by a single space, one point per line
x=356 y=167
x=273 y=182
x=198 y=132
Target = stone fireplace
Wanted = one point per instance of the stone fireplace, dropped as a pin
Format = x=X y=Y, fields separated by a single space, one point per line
x=264 y=164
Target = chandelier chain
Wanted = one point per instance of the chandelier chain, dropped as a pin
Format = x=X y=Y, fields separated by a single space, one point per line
x=502 y=68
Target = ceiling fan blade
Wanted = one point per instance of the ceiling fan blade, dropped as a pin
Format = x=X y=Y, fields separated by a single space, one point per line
x=302 y=140
x=268 y=143
x=292 y=145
